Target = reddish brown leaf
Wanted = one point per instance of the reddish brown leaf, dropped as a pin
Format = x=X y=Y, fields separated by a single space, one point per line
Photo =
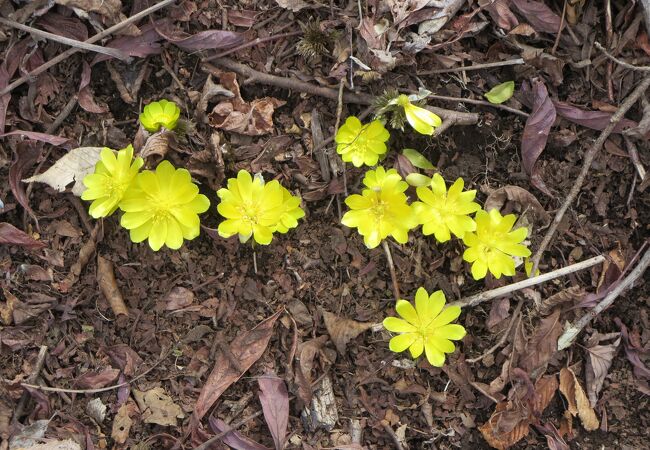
x=523 y=200
x=10 y=235
x=540 y=16
x=596 y=120
x=275 y=405
x=179 y=298
x=203 y=40
x=4 y=100
x=598 y=364
x=231 y=363
x=41 y=137
x=501 y=14
x=70 y=27
x=536 y=131
x=145 y=44
x=578 y=404
x=542 y=345
x=306 y=353
x=125 y=358
x=233 y=438
x=343 y=330
x=95 y=380
x=632 y=352
x=26 y=154
x=86 y=99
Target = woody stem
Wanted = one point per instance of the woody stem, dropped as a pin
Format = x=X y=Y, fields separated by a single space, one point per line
x=391 y=267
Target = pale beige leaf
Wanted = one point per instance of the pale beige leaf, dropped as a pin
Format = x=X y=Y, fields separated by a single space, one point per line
x=343 y=330
x=73 y=166
x=577 y=399
x=158 y=407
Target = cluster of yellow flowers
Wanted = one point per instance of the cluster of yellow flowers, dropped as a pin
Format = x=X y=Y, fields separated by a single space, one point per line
x=382 y=210
x=163 y=206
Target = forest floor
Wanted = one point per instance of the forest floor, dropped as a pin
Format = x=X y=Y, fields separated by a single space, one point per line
x=253 y=337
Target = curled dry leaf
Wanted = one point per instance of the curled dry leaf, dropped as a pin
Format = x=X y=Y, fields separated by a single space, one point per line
x=573 y=294
x=343 y=330
x=293 y=5
x=234 y=439
x=26 y=155
x=158 y=407
x=542 y=345
x=536 y=131
x=540 y=16
x=158 y=144
x=523 y=200
x=578 y=403
x=598 y=364
x=108 y=285
x=40 y=137
x=253 y=119
x=86 y=99
x=95 y=380
x=110 y=9
x=500 y=12
x=305 y=355
x=10 y=235
x=72 y=167
x=275 y=405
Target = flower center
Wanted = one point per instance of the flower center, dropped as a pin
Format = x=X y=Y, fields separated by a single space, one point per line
x=250 y=212
x=403 y=100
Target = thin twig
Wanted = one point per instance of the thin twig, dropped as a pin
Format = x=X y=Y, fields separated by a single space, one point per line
x=504 y=337
x=620 y=62
x=391 y=267
x=588 y=159
x=478 y=102
x=559 y=31
x=254 y=76
x=107 y=32
x=634 y=156
x=113 y=52
x=570 y=333
x=528 y=282
x=510 y=62
x=252 y=43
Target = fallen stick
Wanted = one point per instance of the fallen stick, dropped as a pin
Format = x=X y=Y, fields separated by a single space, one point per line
x=71 y=51
x=253 y=76
x=528 y=282
x=22 y=403
x=588 y=159
x=509 y=62
x=113 y=52
x=572 y=331
x=108 y=285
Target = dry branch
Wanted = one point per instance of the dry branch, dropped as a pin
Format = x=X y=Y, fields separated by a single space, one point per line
x=108 y=285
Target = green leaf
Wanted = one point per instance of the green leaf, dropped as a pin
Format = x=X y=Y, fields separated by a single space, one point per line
x=501 y=92
x=418 y=180
x=417 y=159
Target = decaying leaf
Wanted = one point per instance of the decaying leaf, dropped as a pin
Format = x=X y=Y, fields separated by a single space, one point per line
x=598 y=363
x=540 y=16
x=10 y=235
x=53 y=445
x=85 y=97
x=234 y=439
x=343 y=330
x=523 y=200
x=293 y=5
x=122 y=423
x=30 y=435
x=305 y=355
x=536 y=131
x=275 y=405
x=108 y=285
x=94 y=380
x=253 y=119
x=231 y=362
x=542 y=345
x=578 y=403
x=573 y=294
x=158 y=407
x=632 y=351
x=73 y=166
x=499 y=439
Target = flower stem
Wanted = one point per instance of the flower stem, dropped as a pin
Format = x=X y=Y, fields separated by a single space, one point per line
x=391 y=267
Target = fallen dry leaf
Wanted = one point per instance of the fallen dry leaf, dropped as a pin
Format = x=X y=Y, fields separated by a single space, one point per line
x=26 y=155
x=275 y=405
x=108 y=285
x=523 y=200
x=577 y=399
x=231 y=362
x=40 y=137
x=95 y=380
x=7 y=309
x=536 y=131
x=573 y=294
x=305 y=355
x=293 y=5
x=52 y=445
x=599 y=361
x=500 y=12
x=253 y=119
x=158 y=407
x=343 y=330
x=85 y=96
x=110 y=9
x=501 y=440
x=542 y=345
x=234 y=439
x=540 y=16
x=10 y=235
x=122 y=423
x=632 y=352
x=179 y=298
x=73 y=166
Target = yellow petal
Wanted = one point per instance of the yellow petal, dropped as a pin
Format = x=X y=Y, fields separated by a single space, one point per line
x=429 y=309
x=174 y=238
x=435 y=357
x=141 y=233
x=158 y=235
x=131 y=220
x=452 y=331
x=447 y=315
x=402 y=342
x=398 y=325
x=441 y=343
x=417 y=347
x=407 y=312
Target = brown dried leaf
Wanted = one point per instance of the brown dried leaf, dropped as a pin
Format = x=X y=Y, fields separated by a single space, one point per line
x=111 y=9
x=521 y=197
x=305 y=355
x=536 y=131
x=10 y=235
x=500 y=13
x=125 y=358
x=234 y=439
x=158 y=407
x=574 y=294
x=596 y=120
x=275 y=405
x=632 y=351
x=231 y=363
x=108 y=285
x=293 y=5
x=598 y=364
x=145 y=44
x=95 y=380
x=542 y=345
x=179 y=298
x=122 y=423
x=70 y=27
x=545 y=389
x=540 y=16
x=343 y=330
x=577 y=399
x=85 y=97
x=7 y=309
x=203 y=40
x=502 y=440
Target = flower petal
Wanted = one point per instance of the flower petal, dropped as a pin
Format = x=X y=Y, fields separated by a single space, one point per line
x=453 y=331
x=402 y=342
x=158 y=235
x=417 y=347
x=407 y=311
x=447 y=315
x=398 y=325
x=435 y=357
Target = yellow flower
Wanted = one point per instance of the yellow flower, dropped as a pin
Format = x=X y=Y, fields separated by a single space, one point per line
x=161 y=113
x=254 y=208
x=163 y=206
x=422 y=120
x=361 y=144
x=443 y=213
x=112 y=177
x=381 y=210
x=291 y=212
x=494 y=244
x=426 y=327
